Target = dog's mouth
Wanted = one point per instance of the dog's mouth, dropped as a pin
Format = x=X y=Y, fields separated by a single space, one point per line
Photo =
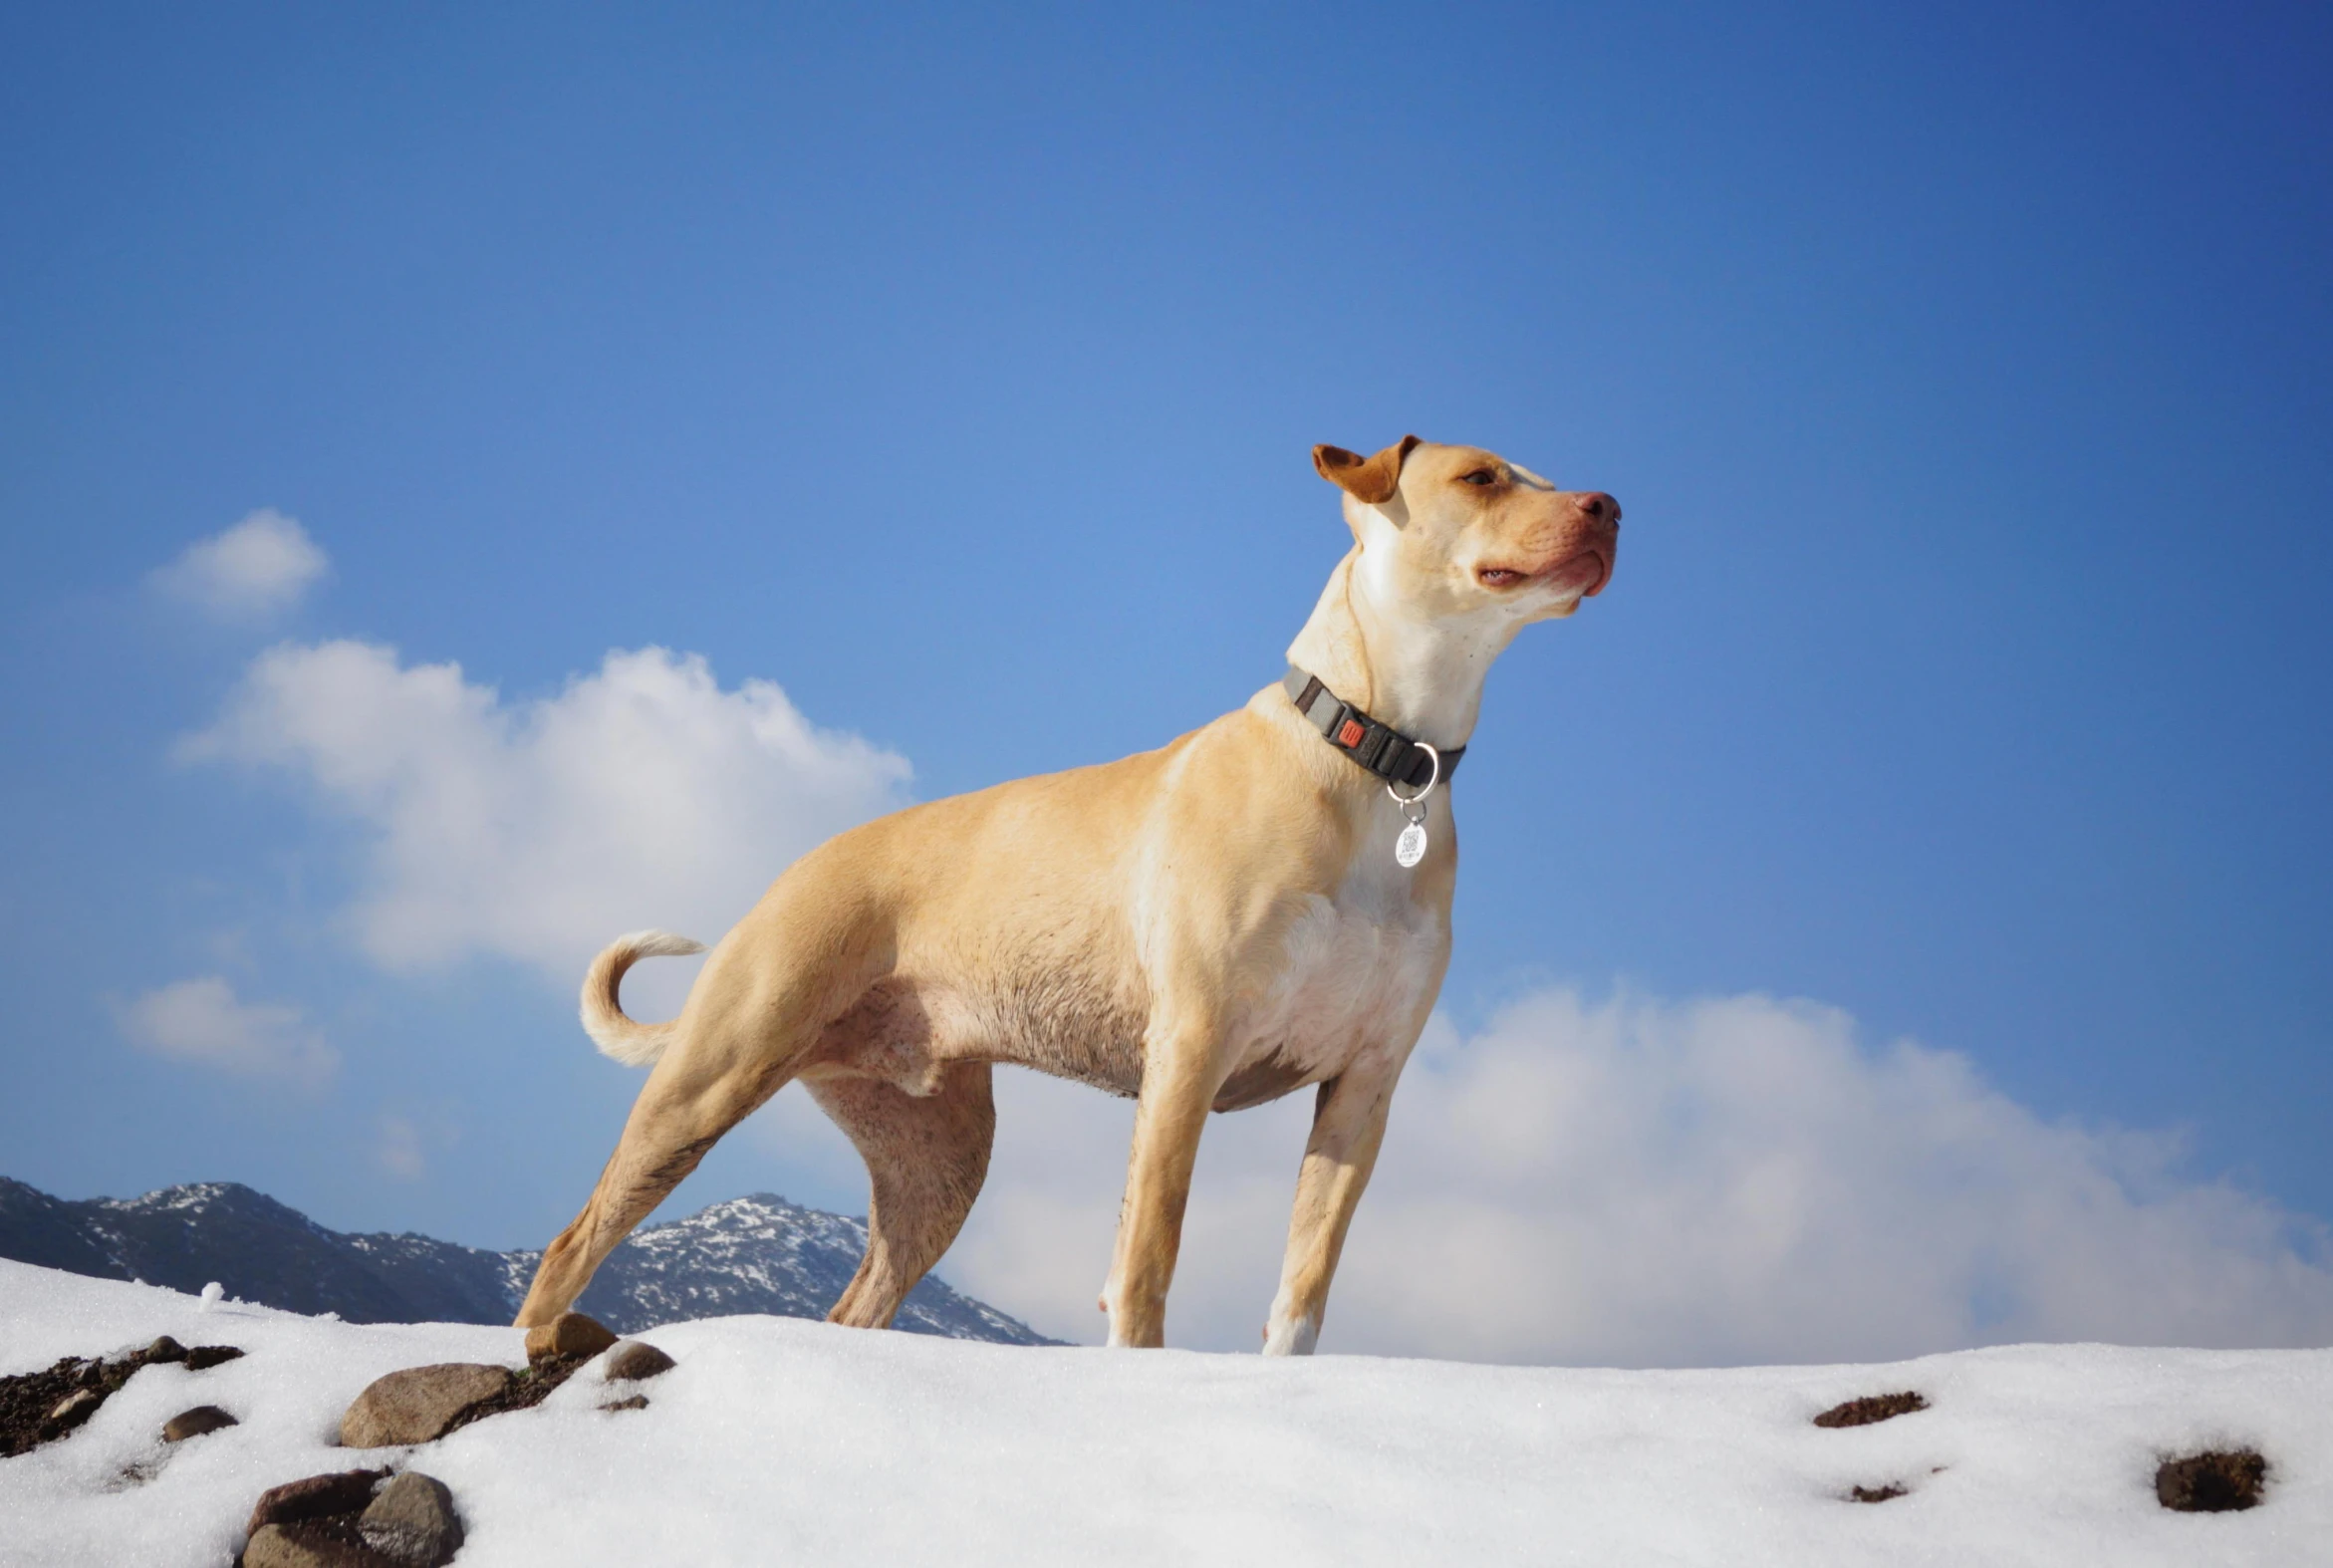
x=1583 y=574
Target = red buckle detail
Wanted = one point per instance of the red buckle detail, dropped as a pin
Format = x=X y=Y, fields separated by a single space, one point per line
x=1348 y=733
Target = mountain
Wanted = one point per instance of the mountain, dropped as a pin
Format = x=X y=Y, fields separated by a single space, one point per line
x=750 y=1254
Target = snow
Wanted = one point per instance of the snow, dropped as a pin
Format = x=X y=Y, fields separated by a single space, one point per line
x=777 y=1439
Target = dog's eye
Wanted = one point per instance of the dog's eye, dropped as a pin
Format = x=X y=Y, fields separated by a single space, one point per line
x=1499 y=577
x=1479 y=476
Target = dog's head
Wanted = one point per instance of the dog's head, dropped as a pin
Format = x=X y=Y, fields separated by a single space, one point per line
x=1460 y=533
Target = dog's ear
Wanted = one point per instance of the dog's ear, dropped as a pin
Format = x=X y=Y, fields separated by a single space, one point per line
x=1369 y=480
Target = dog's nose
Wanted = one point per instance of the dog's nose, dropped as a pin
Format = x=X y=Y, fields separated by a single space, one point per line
x=1600 y=507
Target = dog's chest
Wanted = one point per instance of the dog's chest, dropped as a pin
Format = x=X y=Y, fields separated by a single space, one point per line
x=1356 y=969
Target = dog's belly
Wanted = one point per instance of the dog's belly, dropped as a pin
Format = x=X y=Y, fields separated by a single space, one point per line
x=1058 y=1020
x=1352 y=973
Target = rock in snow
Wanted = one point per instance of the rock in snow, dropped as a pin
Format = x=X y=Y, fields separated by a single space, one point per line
x=304 y=1546
x=418 y=1403
x=314 y=1497
x=635 y=1361
x=568 y=1334
x=196 y=1423
x=780 y=1441
x=412 y=1521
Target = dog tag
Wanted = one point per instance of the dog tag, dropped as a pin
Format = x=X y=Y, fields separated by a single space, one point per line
x=1410 y=848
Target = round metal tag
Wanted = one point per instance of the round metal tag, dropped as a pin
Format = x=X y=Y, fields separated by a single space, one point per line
x=1410 y=848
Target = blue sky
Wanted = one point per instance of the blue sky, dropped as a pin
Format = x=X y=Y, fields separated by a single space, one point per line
x=1965 y=376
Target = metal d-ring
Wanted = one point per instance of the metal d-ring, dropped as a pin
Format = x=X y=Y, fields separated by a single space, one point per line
x=1417 y=801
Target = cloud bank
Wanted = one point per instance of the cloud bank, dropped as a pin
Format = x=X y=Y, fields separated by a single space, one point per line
x=640 y=795
x=203 y=1022
x=263 y=563
x=1647 y=1182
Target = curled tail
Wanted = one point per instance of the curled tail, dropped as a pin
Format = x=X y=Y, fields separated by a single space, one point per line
x=629 y=1041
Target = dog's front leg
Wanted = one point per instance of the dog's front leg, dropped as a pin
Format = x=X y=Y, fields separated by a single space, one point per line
x=1348 y=1126
x=1181 y=1074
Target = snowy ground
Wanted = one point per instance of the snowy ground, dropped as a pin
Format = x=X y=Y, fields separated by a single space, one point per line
x=782 y=1440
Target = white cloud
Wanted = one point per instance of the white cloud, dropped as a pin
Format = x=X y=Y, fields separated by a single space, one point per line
x=262 y=564
x=1655 y=1183
x=640 y=795
x=203 y=1022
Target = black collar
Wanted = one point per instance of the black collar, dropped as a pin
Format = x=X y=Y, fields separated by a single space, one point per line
x=1386 y=752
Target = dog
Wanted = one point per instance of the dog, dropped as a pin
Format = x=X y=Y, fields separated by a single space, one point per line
x=1261 y=905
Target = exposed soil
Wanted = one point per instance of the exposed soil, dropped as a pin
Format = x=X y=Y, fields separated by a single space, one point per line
x=2218 y=1480
x=34 y=1405
x=1872 y=1407
x=526 y=1388
x=1874 y=1493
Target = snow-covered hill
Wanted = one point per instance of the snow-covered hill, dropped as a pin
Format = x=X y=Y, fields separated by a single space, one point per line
x=781 y=1441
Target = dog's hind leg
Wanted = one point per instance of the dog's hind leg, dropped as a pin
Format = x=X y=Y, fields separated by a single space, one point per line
x=671 y=1127
x=926 y=1157
x=748 y=1026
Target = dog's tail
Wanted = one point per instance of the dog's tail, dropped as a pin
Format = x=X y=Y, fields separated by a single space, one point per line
x=629 y=1041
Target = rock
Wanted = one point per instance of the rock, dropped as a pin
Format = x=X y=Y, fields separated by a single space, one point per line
x=204 y=1357
x=418 y=1404
x=163 y=1349
x=635 y=1361
x=568 y=1334
x=314 y=1497
x=195 y=1422
x=2218 y=1480
x=638 y=1402
x=1870 y=1409
x=412 y=1523
x=308 y=1545
x=74 y=1409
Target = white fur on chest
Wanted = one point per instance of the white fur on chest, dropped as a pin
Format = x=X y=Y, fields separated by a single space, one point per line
x=1357 y=967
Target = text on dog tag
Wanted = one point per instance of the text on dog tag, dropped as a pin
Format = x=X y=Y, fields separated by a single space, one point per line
x=1410 y=848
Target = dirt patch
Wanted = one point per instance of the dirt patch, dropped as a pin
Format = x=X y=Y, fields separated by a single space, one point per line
x=526 y=1388
x=2218 y=1480
x=1874 y=1493
x=1872 y=1407
x=41 y=1407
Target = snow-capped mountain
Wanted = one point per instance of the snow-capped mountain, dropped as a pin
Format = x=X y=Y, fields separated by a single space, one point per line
x=750 y=1254
x=758 y=1254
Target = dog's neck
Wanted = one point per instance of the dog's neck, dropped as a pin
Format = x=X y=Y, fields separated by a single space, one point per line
x=1420 y=675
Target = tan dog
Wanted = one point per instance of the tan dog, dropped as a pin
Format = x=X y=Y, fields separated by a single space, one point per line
x=1206 y=926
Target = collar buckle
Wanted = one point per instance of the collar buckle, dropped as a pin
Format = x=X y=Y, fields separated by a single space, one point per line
x=1377 y=747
